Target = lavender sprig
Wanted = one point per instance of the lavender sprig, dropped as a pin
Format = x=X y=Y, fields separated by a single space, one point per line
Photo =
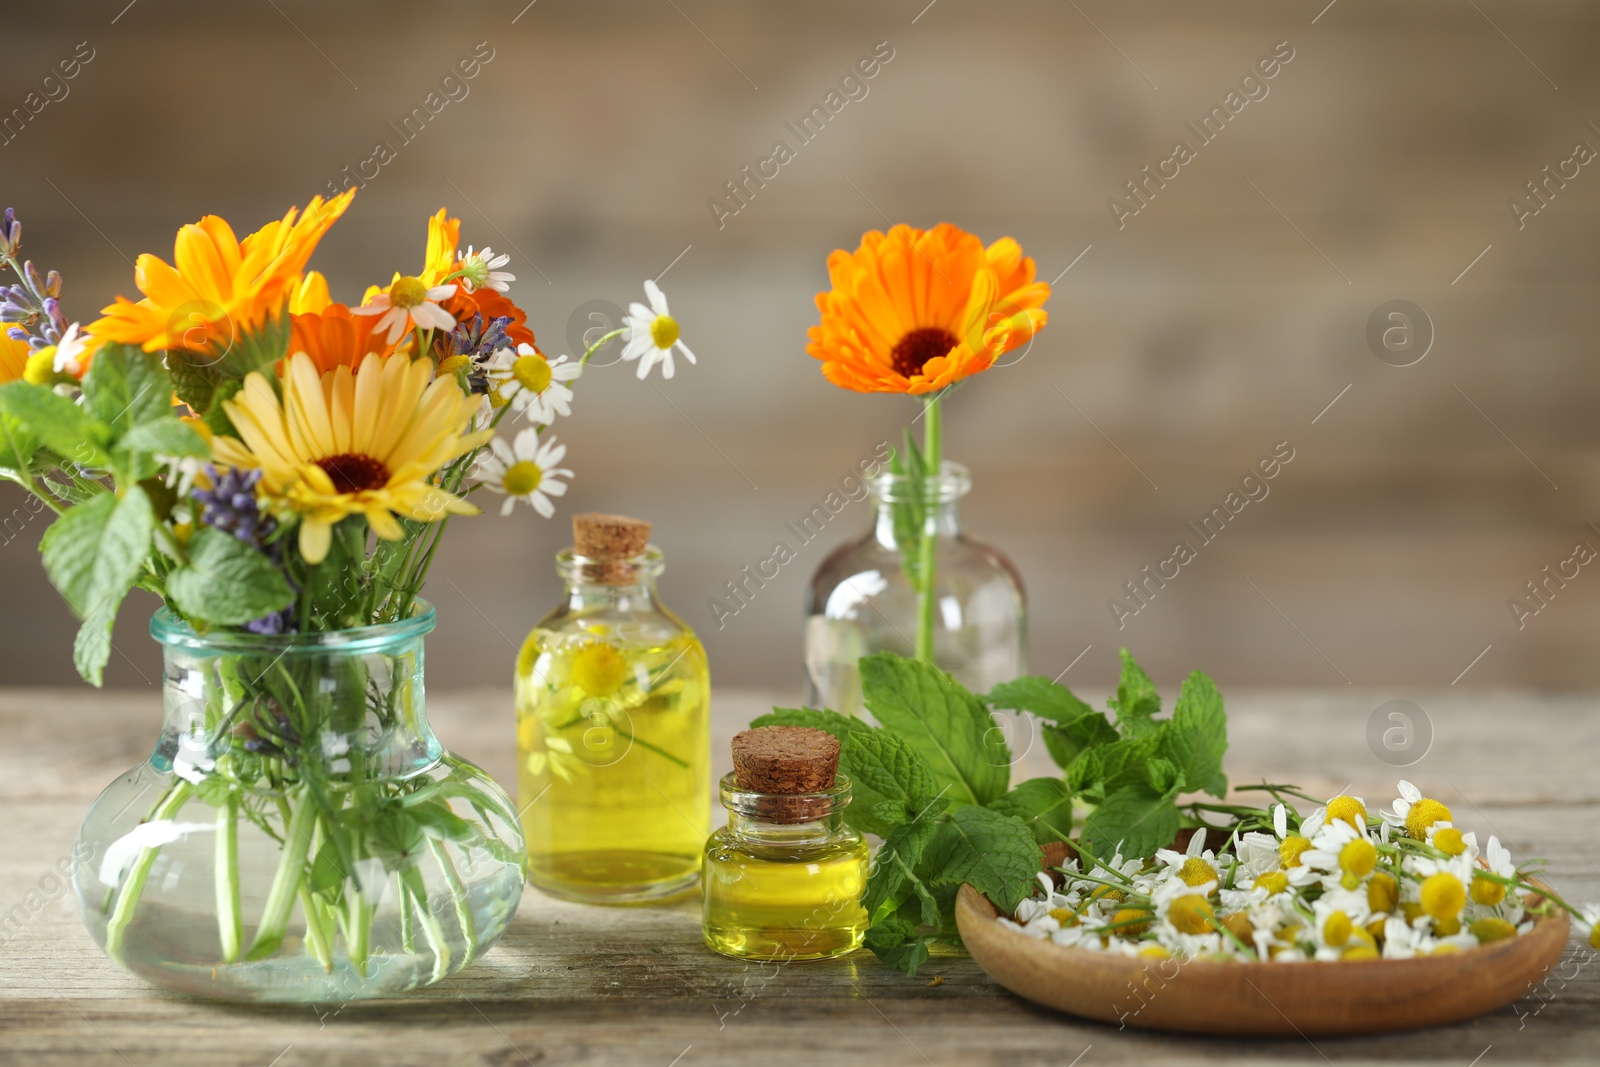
x=32 y=308
x=230 y=505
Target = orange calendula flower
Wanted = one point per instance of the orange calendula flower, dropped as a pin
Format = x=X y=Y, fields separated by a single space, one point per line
x=311 y=295
x=217 y=286
x=13 y=359
x=333 y=337
x=914 y=311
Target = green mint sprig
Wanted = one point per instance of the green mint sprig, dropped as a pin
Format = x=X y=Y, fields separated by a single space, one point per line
x=933 y=781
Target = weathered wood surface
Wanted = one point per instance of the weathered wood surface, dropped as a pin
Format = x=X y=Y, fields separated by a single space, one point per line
x=571 y=984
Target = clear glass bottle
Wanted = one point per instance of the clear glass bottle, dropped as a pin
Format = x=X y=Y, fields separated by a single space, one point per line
x=782 y=886
x=860 y=600
x=613 y=736
x=298 y=833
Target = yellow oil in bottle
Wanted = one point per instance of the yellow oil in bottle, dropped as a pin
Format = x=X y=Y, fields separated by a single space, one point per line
x=613 y=744
x=784 y=901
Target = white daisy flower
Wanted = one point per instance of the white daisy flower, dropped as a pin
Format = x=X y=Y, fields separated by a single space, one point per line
x=409 y=301
x=652 y=333
x=69 y=352
x=525 y=470
x=480 y=269
x=533 y=386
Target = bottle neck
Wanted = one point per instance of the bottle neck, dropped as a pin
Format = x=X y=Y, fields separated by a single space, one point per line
x=589 y=596
x=771 y=819
x=946 y=523
x=613 y=584
x=905 y=509
x=753 y=830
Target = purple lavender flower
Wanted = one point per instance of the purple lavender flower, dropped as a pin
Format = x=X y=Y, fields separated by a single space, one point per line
x=10 y=234
x=478 y=340
x=230 y=505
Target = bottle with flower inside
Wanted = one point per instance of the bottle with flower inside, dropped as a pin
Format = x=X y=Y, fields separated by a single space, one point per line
x=919 y=312
x=613 y=728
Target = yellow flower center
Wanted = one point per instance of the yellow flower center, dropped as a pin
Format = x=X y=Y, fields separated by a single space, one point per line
x=1155 y=952
x=1105 y=892
x=1356 y=860
x=497 y=399
x=522 y=478
x=1196 y=871
x=1594 y=937
x=1491 y=929
x=453 y=364
x=1192 y=914
x=599 y=669
x=532 y=373
x=1486 y=891
x=1423 y=814
x=41 y=367
x=1132 y=921
x=1336 y=929
x=1360 y=952
x=1274 y=882
x=1445 y=950
x=408 y=292
x=1291 y=847
x=1449 y=841
x=1383 y=892
x=664 y=331
x=1348 y=809
x=1238 y=924
x=1443 y=896
x=1065 y=916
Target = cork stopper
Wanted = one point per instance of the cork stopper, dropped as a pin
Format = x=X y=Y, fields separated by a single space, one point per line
x=612 y=541
x=786 y=763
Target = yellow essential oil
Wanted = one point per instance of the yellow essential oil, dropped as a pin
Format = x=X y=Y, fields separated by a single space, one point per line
x=783 y=880
x=613 y=736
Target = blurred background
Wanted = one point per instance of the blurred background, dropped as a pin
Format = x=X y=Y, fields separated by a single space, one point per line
x=1185 y=341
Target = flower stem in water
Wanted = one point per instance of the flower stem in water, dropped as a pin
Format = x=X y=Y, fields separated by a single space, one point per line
x=286 y=883
x=230 y=927
x=133 y=885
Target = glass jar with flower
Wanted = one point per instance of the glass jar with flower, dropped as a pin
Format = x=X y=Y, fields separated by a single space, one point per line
x=919 y=312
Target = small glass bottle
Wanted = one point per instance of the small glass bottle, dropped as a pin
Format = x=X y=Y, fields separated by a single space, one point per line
x=860 y=600
x=783 y=880
x=613 y=728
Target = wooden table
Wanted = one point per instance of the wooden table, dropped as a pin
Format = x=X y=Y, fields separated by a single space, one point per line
x=571 y=984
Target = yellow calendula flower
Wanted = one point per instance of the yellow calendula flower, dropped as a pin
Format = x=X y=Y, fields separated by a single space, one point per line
x=341 y=444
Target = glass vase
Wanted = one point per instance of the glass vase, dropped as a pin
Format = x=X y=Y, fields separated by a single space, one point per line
x=861 y=599
x=298 y=833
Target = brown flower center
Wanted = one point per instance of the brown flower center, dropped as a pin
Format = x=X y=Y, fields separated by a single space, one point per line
x=351 y=472
x=914 y=350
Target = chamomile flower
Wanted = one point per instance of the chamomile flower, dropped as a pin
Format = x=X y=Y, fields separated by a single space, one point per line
x=1497 y=860
x=651 y=332
x=481 y=269
x=526 y=470
x=1415 y=812
x=409 y=301
x=63 y=362
x=533 y=385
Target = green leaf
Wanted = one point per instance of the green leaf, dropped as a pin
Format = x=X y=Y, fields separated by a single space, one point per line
x=59 y=424
x=93 y=554
x=1077 y=726
x=1136 y=702
x=17 y=446
x=1197 y=736
x=950 y=727
x=883 y=767
x=1110 y=767
x=840 y=726
x=226 y=582
x=1135 y=820
x=326 y=869
x=1164 y=776
x=896 y=942
x=1043 y=803
x=437 y=820
x=994 y=853
x=167 y=435
x=894 y=867
x=125 y=387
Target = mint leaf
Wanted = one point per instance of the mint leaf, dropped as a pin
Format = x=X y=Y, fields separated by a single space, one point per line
x=1164 y=776
x=93 y=554
x=994 y=853
x=1135 y=820
x=1043 y=803
x=1197 y=736
x=896 y=942
x=226 y=582
x=894 y=867
x=1077 y=726
x=883 y=768
x=126 y=386
x=840 y=726
x=950 y=727
x=60 y=425
x=17 y=446
x=1106 y=769
x=166 y=435
x=1136 y=702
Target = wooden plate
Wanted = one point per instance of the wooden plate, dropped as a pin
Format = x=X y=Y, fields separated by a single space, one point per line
x=1204 y=996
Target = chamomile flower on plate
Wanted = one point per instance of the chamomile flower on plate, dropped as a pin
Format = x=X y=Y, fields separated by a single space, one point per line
x=525 y=470
x=652 y=333
x=533 y=385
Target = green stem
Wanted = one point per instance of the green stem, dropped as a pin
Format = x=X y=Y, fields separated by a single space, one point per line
x=133 y=885
x=931 y=434
x=592 y=349
x=358 y=927
x=230 y=926
x=430 y=922
x=286 y=883
x=458 y=897
x=408 y=937
x=318 y=941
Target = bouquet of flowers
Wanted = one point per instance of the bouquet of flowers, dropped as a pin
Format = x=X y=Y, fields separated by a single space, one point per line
x=278 y=468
